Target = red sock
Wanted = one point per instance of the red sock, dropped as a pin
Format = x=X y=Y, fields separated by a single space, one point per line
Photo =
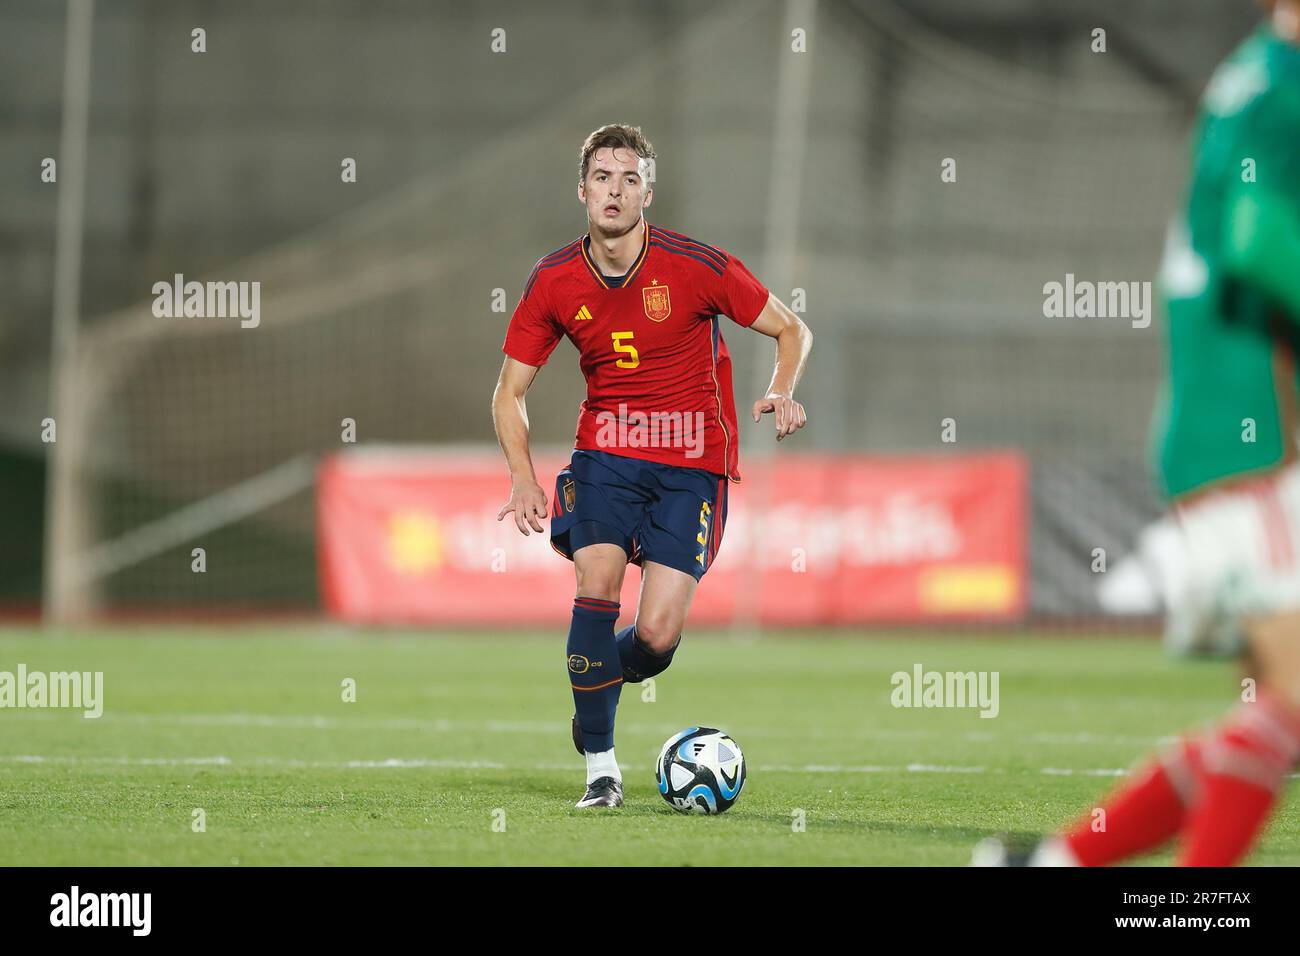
x=1245 y=765
x=1142 y=814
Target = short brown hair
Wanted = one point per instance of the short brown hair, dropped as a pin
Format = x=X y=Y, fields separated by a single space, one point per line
x=614 y=135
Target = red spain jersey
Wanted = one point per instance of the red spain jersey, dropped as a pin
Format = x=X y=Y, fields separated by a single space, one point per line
x=650 y=347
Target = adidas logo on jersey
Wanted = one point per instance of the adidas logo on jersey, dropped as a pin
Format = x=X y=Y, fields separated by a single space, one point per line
x=582 y=314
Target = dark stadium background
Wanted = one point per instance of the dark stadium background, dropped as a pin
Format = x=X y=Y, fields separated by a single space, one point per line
x=925 y=303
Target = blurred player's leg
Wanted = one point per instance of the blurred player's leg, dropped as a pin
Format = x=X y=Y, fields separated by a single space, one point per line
x=1143 y=814
x=595 y=673
x=1245 y=767
x=1219 y=792
x=1247 y=761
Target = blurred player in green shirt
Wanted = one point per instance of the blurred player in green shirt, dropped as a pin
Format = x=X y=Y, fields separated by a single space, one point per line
x=1225 y=558
x=1231 y=278
x=1224 y=433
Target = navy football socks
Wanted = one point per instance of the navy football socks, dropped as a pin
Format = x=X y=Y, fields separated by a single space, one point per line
x=638 y=661
x=594 y=671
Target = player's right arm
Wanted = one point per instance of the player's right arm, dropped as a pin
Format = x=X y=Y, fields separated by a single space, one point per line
x=532 y=335
x=510 y=417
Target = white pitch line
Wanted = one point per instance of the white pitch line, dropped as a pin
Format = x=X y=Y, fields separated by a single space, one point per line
x=124 y=761
x=943 y=768
x=1067 y=772
x=402 y=763
x=443 y=726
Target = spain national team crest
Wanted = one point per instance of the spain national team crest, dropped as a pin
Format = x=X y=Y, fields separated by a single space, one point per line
x=657 y=304
x=570 y=495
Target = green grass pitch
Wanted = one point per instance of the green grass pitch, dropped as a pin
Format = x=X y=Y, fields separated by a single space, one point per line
x=451 y=733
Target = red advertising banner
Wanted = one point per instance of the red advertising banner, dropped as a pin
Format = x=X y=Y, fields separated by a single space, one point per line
x=412 y=538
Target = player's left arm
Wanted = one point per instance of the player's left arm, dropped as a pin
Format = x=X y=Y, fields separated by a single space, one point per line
x=793 y=343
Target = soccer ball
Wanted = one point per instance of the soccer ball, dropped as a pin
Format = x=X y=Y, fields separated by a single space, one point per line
x=700 y=770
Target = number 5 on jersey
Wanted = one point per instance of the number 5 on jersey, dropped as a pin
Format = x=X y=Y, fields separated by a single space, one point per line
x=622 y=345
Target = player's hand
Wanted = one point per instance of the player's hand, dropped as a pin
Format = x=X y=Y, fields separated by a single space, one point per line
x=790 y=416
x=528 y=502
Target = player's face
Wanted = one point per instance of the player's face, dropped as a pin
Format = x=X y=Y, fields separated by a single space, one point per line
x=615 y=190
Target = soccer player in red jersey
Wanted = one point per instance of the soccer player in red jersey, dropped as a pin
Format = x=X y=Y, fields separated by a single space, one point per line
x=657 y=434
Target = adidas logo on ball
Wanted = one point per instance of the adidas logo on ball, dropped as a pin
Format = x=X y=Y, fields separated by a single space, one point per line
x=700 y=770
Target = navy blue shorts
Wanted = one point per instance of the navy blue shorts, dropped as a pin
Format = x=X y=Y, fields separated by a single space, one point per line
x=662 y=513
